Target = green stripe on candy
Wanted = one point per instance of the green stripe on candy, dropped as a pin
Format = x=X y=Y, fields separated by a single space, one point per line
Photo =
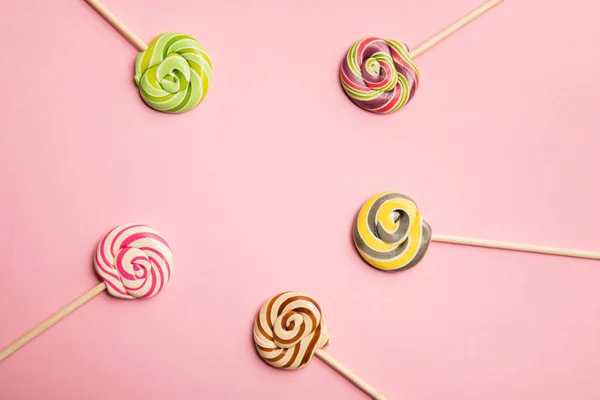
x=192 y=97
x=361 y=95
x=351 y=58
x=174 y=73
x=365 y=96
x=386 y=59
x=200 y=80
x=150 y=84
x=403 y=82
x=174 y=68
x=165 y=103
x=399 y=47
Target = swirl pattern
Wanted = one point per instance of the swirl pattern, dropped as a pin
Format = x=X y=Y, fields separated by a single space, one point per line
x=390 y=233
x=289 y=329
x=173 y=73
x=379 y=75
x=134 y=261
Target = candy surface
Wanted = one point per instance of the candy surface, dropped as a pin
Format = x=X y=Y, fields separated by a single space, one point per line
x=390 y=233
x=288 y=329
x=379 y=75
x=173 y=73
x=134 y=261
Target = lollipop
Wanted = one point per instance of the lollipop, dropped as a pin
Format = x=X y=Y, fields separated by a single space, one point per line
x=390 y=234
x=290 y=329
x=173 y=73
x=379 y=75
x=134 y=262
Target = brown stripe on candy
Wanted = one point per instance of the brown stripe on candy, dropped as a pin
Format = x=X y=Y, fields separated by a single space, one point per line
x=318 y=307
x=311 y=347
x=268 y=316
x=279 y=356
x=286 y=317
x=295 y=338
x=267 y=349
x=294 y=356
x=310 y=314
x=296 y=298
x=270 y=307
x=303 y=309
x=261 y=330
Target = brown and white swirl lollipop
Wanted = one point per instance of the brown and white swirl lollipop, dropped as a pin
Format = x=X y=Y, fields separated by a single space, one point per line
x=290 y=329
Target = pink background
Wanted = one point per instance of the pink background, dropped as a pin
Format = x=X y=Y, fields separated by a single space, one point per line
x=256 y=190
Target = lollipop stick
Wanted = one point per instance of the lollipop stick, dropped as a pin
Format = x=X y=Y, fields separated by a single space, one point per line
x=351 y=376
x=429 y=43
x=118 y=25
x=51 y=321
x=531 y=248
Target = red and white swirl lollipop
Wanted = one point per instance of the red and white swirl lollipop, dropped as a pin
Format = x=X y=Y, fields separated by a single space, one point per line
x=133 y=260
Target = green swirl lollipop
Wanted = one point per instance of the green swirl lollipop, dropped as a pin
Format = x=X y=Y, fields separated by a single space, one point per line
x=173 y=73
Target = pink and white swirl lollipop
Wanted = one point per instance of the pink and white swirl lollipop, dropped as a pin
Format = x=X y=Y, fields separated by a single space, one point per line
x=133 y=260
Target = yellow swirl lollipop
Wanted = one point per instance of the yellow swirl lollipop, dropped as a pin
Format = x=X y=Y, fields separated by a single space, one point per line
x=390 y=233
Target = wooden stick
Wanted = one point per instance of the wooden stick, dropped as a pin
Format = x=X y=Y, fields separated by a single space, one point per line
x=118 y=25
x=516 y=246
x=429 y=43
x=51 y=321
x=351 y=376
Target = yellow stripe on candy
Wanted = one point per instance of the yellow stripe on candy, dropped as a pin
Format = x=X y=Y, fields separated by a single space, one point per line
x=409 y=253
x=388 y=208
x=377 y=217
